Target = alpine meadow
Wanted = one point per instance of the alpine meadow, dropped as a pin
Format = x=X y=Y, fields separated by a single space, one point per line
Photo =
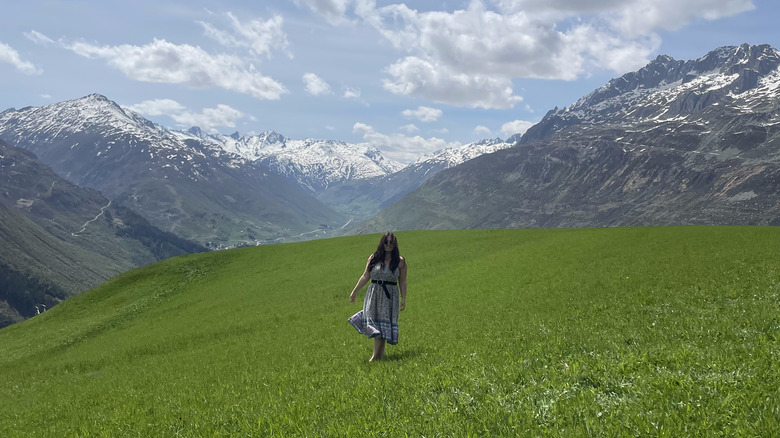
x=585 y=195
x=646 y=331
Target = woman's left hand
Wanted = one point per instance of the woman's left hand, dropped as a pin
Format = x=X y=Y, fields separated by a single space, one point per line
x=403 y=304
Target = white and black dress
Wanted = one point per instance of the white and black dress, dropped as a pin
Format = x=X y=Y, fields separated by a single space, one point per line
x=379 y=317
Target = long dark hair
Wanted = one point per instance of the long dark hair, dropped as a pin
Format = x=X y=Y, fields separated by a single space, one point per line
x=379 y=255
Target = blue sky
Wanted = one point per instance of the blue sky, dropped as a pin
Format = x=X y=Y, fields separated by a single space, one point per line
x=406 y=77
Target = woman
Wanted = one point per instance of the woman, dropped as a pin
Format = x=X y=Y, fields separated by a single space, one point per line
x=386 y=270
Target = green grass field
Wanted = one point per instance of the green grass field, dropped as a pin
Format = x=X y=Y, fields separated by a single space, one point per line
x=668 y=331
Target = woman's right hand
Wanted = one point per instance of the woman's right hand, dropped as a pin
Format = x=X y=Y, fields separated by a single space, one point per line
x=352 y=297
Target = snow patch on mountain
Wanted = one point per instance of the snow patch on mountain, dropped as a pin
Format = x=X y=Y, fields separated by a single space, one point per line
x=666 y=89
x=451 y=157
x=312 y=164
x=77 y=116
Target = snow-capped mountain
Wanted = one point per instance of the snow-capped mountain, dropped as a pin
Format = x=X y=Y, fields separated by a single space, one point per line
x=218 y=190
x=95 y=128
x=364 y=198
x=451 y=157
x=668 y=89
x=192 y=188
x=312 y=164
x=676 y=142
x=321 y=165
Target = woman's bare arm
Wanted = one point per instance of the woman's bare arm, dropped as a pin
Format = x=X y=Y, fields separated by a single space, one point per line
x=402 y=282
x=362 y=281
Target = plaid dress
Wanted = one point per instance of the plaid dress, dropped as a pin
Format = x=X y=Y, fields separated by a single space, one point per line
x=379 y=317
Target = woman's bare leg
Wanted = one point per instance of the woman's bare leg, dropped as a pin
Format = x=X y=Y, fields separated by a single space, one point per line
x=382 y=349
x=379 y=349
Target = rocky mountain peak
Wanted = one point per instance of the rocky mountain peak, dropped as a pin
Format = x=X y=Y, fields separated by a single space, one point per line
x=665 y=70
x=667 y=88
x=488 y=141
x=97 y=97
x=272 y=137
x=762 y=58
x=94 y=111
x=196 y=131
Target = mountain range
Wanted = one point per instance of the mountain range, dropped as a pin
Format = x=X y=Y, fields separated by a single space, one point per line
x=91 y=189
x=310 y=164
x=218 y=190
x=677 y=142
x=192 y=188
x=356 y=180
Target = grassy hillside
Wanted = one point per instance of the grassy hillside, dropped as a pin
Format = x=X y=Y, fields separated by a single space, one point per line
x=38 y=268
x=608 y=332
x=58 y=239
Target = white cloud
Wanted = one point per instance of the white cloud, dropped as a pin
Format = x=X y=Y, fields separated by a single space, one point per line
x=9 y=55
x=354 y=94
x=631 y=17
x=642 y=17
x=162 y=61
x=260 y=37
x=315 y=85
x=158 y=107
x=556 y=9
x=469 y=57
x=482 y=130
x=418 y=77
x=38 y=38
x=515 y=127
x=423 y=114
x=611 y=51
x=410 y=128
x=400 y=147
x=208 y=118
x=332 y=10
x=478 y=41
x=351 y=93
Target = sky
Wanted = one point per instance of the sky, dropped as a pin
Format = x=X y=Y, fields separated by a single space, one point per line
x=408 y=78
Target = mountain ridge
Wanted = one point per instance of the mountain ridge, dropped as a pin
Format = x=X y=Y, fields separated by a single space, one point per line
x=311 y=164
x=192 y=188
x=738 y=68
x=364 y=198
x=691 y=150
x=97 y=143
